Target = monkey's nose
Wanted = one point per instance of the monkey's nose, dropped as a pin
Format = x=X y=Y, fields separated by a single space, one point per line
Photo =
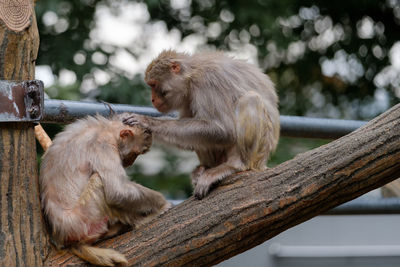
x=152 y=100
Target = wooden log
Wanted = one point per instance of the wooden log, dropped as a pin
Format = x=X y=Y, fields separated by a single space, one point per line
x=23 y=238
x=252 y=207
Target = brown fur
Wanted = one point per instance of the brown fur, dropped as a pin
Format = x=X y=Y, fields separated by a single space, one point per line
x=228 y=113
x=85 y=192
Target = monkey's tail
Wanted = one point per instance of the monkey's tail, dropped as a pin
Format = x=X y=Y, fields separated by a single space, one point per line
x=42 y=137
x=99 y=256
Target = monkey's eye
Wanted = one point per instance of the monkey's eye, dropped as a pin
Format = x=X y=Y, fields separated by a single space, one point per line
x=152 y=84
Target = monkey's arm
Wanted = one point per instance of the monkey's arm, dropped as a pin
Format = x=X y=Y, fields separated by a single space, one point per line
x=186 y=133
x=119 y=191
x=105 y=160
x=132 y=203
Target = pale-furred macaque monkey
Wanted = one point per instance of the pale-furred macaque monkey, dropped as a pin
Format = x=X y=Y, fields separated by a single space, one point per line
x=228 y=113
x=85 y=191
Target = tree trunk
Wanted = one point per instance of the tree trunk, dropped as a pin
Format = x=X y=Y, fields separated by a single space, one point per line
x=251 y=207
x=23 y=239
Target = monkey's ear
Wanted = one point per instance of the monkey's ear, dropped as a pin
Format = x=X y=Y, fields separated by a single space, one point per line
x=175 y=67
x=125 y=133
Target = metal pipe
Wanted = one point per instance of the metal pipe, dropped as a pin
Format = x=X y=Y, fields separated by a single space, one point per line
x=294 y=126
x=64 y=111
x=367 y=206
x=333 y=251
x=358 y=206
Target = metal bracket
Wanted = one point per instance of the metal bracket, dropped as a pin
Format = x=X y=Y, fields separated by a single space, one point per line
x=21 y=101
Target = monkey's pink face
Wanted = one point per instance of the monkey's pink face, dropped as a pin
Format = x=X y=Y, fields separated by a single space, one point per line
x=158 y=97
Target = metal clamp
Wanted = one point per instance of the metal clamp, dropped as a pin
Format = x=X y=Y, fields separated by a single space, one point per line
x=21 y=101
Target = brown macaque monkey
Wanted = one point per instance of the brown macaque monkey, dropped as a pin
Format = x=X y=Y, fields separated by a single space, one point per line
x=85 y=191
x=228 y=113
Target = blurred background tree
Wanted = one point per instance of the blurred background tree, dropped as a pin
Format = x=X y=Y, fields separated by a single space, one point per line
x=334 y=59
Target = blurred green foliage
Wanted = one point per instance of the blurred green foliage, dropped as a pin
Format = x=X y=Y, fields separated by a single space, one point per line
x=328 y=58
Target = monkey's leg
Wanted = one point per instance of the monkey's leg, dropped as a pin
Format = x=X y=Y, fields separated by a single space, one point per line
x=92 y=201
x=116 y=229
x=91 y=204
x=254 y=129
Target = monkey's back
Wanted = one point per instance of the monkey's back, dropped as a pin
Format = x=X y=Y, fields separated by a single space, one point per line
x=66 y=162
x=233 y=78
x=66 y=168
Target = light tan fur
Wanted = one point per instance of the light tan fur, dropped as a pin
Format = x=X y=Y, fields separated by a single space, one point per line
x=99 y=256
x=228 y=113
x=85 y=192
x=42 y=137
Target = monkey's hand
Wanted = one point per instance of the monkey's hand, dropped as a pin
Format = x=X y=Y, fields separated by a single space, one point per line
x=136 y=119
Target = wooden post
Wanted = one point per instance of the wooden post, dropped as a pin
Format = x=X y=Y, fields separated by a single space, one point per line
x=23 y=239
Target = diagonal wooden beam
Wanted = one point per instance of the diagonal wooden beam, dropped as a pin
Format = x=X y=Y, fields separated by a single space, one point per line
x=252 y=207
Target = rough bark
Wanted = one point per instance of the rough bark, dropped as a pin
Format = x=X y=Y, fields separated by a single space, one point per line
x=23 y=239
x=19 y=48
x=251 y=207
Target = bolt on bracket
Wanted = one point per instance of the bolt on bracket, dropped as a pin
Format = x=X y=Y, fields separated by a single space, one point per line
x=21 y=101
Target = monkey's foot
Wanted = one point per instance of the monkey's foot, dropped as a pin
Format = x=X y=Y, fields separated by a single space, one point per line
x=166 y=207
x=202 y=188
x=211 y=177
x=196 y=173
x=201 y=191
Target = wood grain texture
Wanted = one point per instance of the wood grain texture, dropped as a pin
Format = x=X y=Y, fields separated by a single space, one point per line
x=18 y=50
x=23 y=240
x=23 y=237
x=16 y=14
x=252 y=207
